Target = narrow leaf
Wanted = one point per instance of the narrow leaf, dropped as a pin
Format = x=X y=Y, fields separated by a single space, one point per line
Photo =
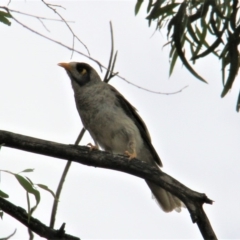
x=25 y=183
x=174 y=59
x=149 y=5
x=178 y=34
x=46 y=188
x=238 y=103
x=234 y=63
x=137 y=6
x=191 y=32
x=208 y=50
x=3 y=194
x=30 y=180
x=156 y=12
x=4 y=16
x=28 y=206
x=37 y=198
x=28 y=170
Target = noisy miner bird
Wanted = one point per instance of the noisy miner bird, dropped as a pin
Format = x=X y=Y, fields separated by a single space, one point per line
x=114 y=123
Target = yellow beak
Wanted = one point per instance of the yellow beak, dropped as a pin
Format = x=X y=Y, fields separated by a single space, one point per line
x=66 y=66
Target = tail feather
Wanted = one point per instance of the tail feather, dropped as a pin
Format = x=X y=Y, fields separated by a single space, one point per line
x=165 y=199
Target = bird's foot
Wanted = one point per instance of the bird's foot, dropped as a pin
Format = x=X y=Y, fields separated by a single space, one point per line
x=131 y=155
x=92 y=147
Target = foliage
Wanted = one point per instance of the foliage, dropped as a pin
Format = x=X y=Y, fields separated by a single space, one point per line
x=29 y=187
x=191 y=24
x=4 y=18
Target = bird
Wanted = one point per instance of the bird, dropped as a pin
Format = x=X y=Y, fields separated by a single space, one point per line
x=114 y=124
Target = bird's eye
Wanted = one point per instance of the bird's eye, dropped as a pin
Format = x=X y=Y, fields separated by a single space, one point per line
x=81 y=70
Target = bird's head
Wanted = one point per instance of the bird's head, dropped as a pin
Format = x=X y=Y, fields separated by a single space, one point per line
x=81 y=73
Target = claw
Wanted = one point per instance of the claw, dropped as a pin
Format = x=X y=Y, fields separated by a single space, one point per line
x=92 y=147
x=131 y=155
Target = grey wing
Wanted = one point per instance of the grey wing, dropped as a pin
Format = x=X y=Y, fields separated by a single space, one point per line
x=132 y=113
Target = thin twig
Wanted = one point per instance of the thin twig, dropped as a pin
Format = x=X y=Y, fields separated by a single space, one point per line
x=60 y=184
x=32 y=223
x=192 y=199
x=107 y=78
x=42 y=18
x=151 y=91
x=8 y=237
x=111 y=55
x=90 y=58
x=61 y=17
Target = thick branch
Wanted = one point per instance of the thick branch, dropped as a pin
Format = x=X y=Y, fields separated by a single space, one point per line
x=34 y=224
x=193 y=200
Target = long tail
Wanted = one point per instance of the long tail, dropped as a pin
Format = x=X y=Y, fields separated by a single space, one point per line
x=166 y=200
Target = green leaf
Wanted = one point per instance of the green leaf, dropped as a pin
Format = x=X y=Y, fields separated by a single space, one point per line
x=1 y=214
x=234 y=64
x=3 y=194
x=5 y=14
x=178 y=33
x=30 y=180
x=46 y=188
x=3 y=18
x=28 y=186
x=29 y=207
x=25 y=183
x=174 y=59
x=28 y=170
x=37 y=198
x=149 y=5
x=156 y=12
x=238 y=103
x=172 y=48
x=191 y=32
x=138 y=5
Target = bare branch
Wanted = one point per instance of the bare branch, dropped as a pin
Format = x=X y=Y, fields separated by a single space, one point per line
x=108 y=73
x=192 y=200
x=34 y=224
x=108 y=76
x=8 y=237
x=89 y=57
x=39 y=17
x=61 y=182
x=40 y=20
x=61 y=17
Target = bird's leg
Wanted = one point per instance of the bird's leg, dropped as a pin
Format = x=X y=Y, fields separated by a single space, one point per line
x=93 y=147
x=131 y=154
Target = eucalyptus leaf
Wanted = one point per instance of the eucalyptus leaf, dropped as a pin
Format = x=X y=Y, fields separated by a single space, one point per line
x=46 y=188
x=28 y=170
x=25 y=183
x=174 y=59
x=137 y=6
x=4 y=16
x=3 y=194
x=166 y=9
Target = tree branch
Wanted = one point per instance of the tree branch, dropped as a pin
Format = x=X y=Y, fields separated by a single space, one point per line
x=34 y=224
x=8 y=10
x=193 y=200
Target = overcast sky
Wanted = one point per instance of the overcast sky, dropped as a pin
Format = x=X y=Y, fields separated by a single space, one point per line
x=195 y=132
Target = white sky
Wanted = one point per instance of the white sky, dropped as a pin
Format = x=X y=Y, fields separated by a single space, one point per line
x=195 y=132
